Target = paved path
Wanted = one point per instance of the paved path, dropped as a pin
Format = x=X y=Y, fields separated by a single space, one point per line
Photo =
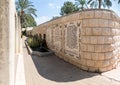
x=20 y=72
x=50 y=70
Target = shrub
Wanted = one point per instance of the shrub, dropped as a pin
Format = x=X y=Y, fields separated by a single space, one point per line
x=37 y=41
x=33 y=42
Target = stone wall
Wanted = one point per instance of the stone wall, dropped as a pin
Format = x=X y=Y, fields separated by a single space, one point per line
x=9 y=41
x=4 y=45
x=89 y=39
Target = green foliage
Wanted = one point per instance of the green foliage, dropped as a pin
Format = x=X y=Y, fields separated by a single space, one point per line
x=24 y=32
x=108 y=3
x=118 y=1
x=81 y=4
x=26 y=11
x=99 y=3
x=68 y=7
x=34 y=41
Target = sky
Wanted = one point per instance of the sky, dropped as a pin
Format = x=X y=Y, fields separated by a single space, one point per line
x=46 y=9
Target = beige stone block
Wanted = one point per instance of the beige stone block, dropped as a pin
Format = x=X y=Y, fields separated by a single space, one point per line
x=108 y=55
x=93 y=40
x=81 y=16
x=107 y=48
x=96 y=31
x=115 y=38
x=95 y=56
x=98 y=64
x=89 y=14
x=101 y=56
x=82 y=55
x=104 y=48
x=114 y=32
x=108 y=40
x=76 y=16
x=93 y=23
x=114 y=65
x=83 y=31
x=85 y=39
x=106 y=63
x=98 y=14
x=70 y=18
x=106 y=31
x=116 y=24
x=103 y=69
x=118 y=32
x=85 y=23
x=101 y=40
x=112 y=61
x=90 y=48
x=88 y=31
x=84 y=67
x=106 y=15
x=93 y=69
x=83 y=62
x=115 y=52
x=109 y=67
x=98 y=48
x=87 y=56
x=110 y=23
x=83 y=47
x=90 y=63
x=111 y=47
x=114 y=16
x=103 y=23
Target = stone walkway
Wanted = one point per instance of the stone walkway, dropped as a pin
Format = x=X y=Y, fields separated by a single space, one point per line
x=20 y=71
x=113 y=74
x=50 y=70
x=20 y=74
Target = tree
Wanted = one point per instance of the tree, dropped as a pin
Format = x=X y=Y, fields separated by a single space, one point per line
x=108 y=3
x=118 y=1
x=68 y=7
x=100 y=3
x=26 y=11
x=81 y=3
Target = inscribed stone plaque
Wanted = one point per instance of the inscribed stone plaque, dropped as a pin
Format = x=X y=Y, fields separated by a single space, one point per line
x=72 y=37
x=57 y=38
x=49 y=37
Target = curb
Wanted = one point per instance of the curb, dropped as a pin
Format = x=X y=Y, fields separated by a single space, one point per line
x=31 y=52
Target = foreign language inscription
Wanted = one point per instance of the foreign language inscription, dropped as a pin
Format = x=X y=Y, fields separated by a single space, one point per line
x=57 y=38
x=72 y=37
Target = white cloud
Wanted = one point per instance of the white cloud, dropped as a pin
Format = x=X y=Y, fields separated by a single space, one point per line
x=42 y=19
x=53 y=6
x=58 y=7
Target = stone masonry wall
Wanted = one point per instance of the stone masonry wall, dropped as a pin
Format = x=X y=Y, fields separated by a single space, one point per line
x=4 y=45
x=89 y=39
x=9 y=41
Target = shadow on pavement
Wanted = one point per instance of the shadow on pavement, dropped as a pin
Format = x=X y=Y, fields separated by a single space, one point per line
x=55 y=69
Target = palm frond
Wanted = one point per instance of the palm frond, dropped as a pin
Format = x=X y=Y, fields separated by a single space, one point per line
x=32 y=11
x=89 y=2
x=108 y=3
x=26 y=10
x=118 y=1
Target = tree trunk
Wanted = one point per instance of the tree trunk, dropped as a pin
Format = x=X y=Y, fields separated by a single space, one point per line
x=82 y=7
x=100 y=1
x=21 y=18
